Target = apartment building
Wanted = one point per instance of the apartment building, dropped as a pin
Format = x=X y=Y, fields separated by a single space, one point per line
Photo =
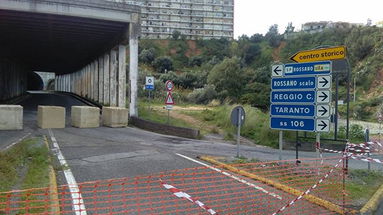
x=195 y=19
x=315 y=27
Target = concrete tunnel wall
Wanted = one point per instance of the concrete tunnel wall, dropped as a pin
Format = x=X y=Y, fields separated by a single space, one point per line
x=103 y=80
x=13 y=79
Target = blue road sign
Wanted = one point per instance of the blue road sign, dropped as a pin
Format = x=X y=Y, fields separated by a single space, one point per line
x=293 y=110
x=293 y=96
x=312 y=68
x=292 y=124
x=149 y=87
x=293 y=83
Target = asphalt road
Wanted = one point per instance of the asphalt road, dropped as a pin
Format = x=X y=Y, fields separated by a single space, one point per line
x=109 y=153
x=30 y=103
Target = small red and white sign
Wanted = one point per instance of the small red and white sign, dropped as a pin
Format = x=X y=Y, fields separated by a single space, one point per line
x=169 y=99
x=169 y=85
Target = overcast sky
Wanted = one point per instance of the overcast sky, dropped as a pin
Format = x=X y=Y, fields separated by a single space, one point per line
x=256 y=16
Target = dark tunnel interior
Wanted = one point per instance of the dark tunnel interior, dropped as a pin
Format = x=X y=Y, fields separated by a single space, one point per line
x=34 y=81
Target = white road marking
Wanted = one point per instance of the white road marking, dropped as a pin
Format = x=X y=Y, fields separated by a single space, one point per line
x=77 y=200
x=232 y=176
x=16 y=142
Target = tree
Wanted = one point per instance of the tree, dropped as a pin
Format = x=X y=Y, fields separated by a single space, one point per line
x=162 y=64
x=147 y=56
x=195 y=61
x=273 y=37
x=176 y=35
x=256 y=38
x=228 y=78
x=251 y=52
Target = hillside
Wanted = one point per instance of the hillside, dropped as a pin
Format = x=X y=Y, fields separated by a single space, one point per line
x=238 y=71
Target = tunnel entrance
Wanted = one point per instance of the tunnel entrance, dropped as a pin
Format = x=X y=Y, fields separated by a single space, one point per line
x=34 y=81
x=83 y=42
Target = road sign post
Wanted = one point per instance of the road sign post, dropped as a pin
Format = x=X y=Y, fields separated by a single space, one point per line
x=149 y=85
x=238 y=119
x=169 y=101
x=300 y=98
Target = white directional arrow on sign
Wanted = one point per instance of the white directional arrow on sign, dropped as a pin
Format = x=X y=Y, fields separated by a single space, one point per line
x=322 y=125
x=277 y=70
x=323 y=111
x=323 y=96
x=324 y=82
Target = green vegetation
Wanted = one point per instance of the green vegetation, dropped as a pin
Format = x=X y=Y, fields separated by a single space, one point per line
x=238 y=71
x=362 y=184
x=231 y=72
x=256 y=127
x=158 y=114
x=25 y=166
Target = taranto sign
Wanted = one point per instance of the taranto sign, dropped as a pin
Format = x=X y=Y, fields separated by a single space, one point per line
x=332 y=53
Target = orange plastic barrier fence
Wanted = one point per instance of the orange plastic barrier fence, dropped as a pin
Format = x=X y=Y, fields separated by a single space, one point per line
x=200 y=190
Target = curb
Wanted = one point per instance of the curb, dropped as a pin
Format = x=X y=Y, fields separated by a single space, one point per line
x=372 y=205
x=313 y=199
x=53 y=191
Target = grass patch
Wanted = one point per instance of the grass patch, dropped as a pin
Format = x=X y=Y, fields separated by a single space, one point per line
x=256 y=127
x=25 y=165
x=161 y=116
x=362 y=184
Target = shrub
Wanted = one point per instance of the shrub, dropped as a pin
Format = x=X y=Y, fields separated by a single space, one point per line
x=162 y=64
x=195 y=61
x=147 y=56
x=202 y=95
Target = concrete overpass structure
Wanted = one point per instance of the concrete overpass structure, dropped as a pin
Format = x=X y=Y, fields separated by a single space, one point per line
x=84 y=42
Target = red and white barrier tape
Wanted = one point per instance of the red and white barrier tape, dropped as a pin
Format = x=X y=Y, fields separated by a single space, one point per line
x=366 y=159
x=359 y=154
x=340 y=152
x=365 y=145
x=310 y=189
x=180 y=194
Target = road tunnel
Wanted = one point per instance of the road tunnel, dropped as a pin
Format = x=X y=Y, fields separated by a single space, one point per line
x=34 y=81
x=84 y=43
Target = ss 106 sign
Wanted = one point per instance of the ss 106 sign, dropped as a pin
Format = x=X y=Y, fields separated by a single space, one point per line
x=293 y=124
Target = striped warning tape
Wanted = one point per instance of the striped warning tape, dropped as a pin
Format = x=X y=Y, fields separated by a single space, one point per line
x=366 y=150
x=366 y=159
x=358 y=154
x=180 y=194
x=365 y=145
x=311 y=188
x=341 y=152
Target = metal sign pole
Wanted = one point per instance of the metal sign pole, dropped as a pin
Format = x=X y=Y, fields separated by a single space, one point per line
x=318 y=146
x=367 y=138
x=238 y=131
x=380 y=130
x=149 y=101
x=296 y=148
x=168 y=117
x=280 y=144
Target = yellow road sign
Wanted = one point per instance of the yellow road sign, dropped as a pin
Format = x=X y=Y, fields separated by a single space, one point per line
x=333 y=53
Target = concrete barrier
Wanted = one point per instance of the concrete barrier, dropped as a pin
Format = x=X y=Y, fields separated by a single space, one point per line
x=85 y=117
x=164 y=129
x=51 y=117
x=115 y=117
x=11 y=117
